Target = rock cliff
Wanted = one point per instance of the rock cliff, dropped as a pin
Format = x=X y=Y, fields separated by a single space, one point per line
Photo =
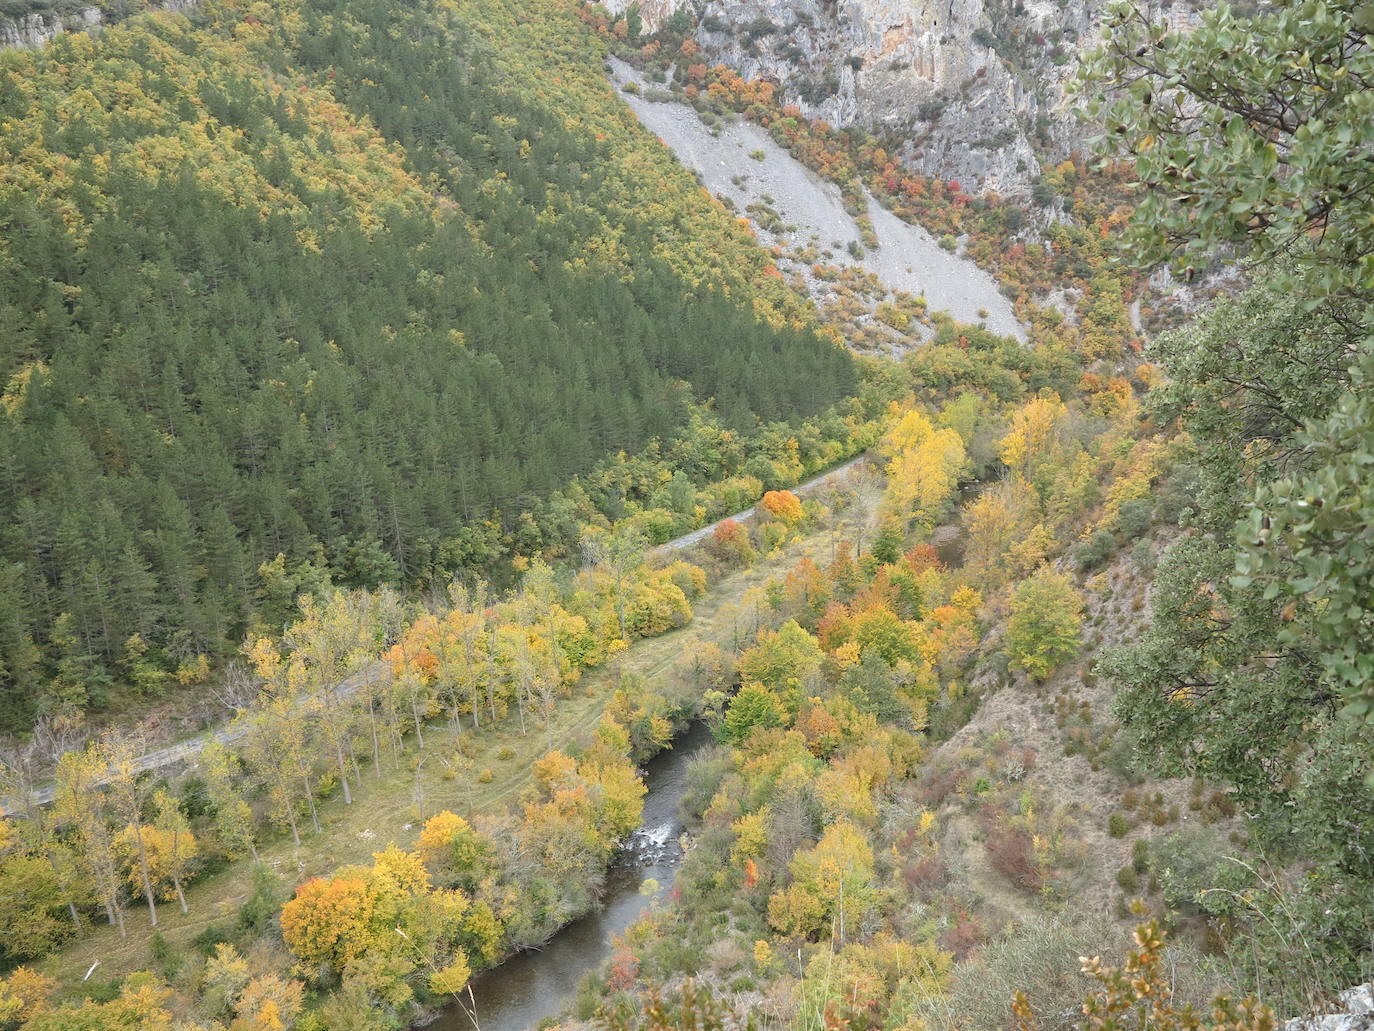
x=37 y=28
x=972 y=89
x=40 y=27
x=1356 y=1013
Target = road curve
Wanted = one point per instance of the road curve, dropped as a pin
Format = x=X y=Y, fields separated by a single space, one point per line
x=373 y=672
x=697 y=536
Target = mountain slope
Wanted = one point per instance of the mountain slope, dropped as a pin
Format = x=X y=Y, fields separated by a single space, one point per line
x=335 y=283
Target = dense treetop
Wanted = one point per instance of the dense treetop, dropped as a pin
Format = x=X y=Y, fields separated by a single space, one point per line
x=343 y=284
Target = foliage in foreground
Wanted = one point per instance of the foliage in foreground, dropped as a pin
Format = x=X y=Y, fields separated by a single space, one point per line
x=1252 y=133
x=1138 y=996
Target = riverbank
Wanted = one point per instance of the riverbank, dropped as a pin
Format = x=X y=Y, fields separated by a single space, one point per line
x=536 y=984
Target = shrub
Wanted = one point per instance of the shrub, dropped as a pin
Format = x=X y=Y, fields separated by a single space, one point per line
x=167 y=957
x=263 y=903
x=1118 y=826
x=963 y=936
x=1140 y=994
x=939 y=784
x=1133 y=521
x=926 y=876
x=1195 y=874
x=1041 y=956
x=205 y=942
x=1011 y=852
x=1128 y=880
x=486 y=776
x=705 y=774
x=1140 y=855
x=1093 y=552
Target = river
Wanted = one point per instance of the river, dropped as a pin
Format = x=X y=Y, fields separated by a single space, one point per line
x=540 y=983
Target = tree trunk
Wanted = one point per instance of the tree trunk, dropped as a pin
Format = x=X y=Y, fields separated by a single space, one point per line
x=310 y=798
x=143 y=873
x=372 y=724
x=415 y=716
x=343 y=773
x=291 y=819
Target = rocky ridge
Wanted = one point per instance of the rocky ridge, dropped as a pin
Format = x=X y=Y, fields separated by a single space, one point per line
x=38 y=28
x=803 y=219
x=972 y=89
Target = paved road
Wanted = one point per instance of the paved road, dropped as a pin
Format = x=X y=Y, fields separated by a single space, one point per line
x=374 y=671
x=697 y=536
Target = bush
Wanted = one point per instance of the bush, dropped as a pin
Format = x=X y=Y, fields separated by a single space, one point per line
x=1011 y=852
x=205 y=942
x=1118 y=826
x=1145 y=992
x=1040 y=956
x=165 y=954
x=1195 y=875
x=263 y=903
x=1094 y=552
x=1133 y=521
x=759 y=27
x=1140 y=855
x=963 y=936
x=926 y=876
x=705 y=774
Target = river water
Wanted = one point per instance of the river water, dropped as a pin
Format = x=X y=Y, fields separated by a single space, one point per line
x=540 y=983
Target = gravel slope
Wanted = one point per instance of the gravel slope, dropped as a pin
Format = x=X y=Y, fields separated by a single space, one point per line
x=908 y=257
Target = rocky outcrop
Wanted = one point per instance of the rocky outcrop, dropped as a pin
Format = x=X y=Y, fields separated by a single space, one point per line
x=654 y=13
x=1356 y=1013
x=901 y=65
x=40 y=28
x=972 y=90
x=34 y=30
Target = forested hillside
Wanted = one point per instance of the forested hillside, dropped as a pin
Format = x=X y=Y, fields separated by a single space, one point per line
x=343 y=282
x=302 y=304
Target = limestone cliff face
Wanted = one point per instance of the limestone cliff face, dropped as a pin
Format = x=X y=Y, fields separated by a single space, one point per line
x=973 y=89
x=39 y=28
x=34 y=30
x=653 y=12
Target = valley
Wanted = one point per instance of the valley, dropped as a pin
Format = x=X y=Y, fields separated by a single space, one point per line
x=789 y=515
